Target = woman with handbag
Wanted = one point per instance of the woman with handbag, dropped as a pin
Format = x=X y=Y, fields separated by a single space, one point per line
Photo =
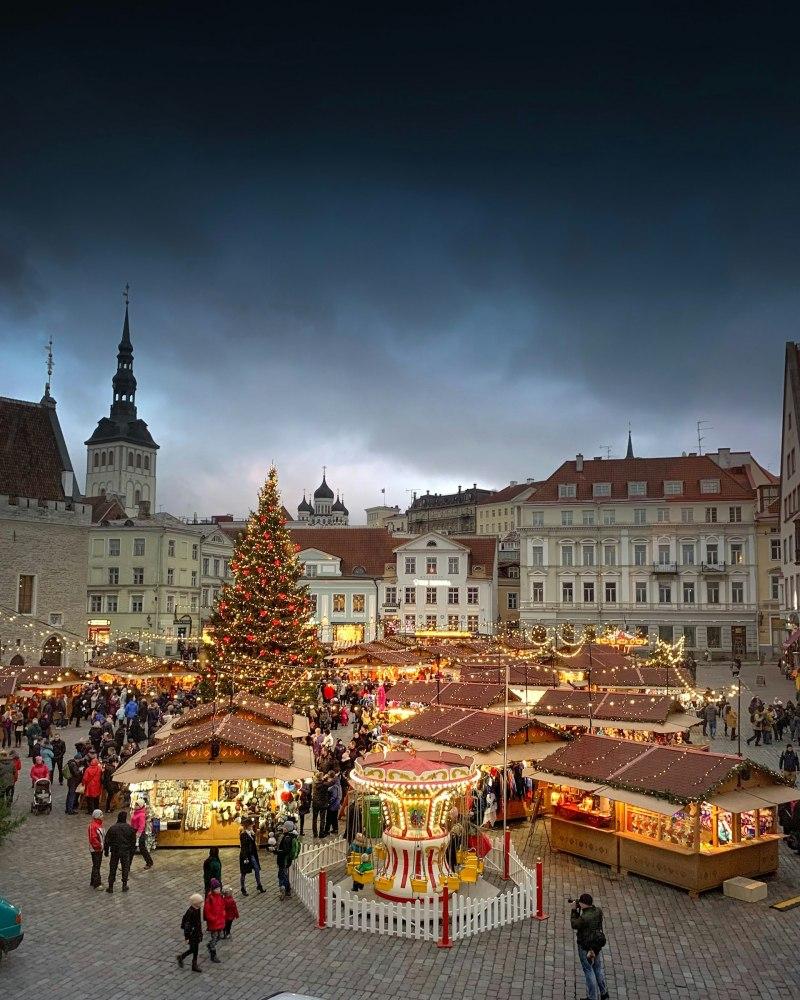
x=248 y=855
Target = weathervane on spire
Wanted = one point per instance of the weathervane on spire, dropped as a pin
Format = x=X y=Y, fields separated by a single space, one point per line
x=126 y=295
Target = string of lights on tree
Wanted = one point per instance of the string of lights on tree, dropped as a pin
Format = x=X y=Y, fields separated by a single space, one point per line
x=263 y=638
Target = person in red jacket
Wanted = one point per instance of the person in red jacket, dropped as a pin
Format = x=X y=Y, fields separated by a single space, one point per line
x=214 y=915
x=96 y=838
x=39 y=770
x=231 y=910
x=93 y=784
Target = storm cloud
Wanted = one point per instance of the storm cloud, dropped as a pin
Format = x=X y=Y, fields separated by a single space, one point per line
x=424 y=249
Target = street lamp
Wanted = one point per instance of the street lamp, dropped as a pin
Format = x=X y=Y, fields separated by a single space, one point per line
x=736 y=670
x=589 y=671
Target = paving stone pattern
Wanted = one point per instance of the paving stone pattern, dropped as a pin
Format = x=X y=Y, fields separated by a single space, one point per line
x=80 y=943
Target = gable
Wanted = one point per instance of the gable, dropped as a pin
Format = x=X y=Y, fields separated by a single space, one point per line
x=430 y=542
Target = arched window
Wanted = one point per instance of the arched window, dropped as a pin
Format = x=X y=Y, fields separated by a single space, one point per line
x=51 y=652
x=147 y=463
x=111 y=460
x=102 y=492
x=96 y=462
x=103 y=459
x=138 y=460
x=137 y=496
x=130 y=459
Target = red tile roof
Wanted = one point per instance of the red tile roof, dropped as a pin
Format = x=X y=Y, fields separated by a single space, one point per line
x=31 y=462
x=458 y=694
x=508 y=493
x=370 y=548
x=105 y=509
x=689 y=469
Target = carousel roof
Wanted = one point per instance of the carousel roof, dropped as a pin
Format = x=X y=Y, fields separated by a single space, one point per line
x=232 y=733
x=279 y=715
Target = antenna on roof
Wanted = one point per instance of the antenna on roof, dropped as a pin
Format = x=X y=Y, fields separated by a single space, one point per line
x=49 y=349
x=702 y=425
x=607 y=449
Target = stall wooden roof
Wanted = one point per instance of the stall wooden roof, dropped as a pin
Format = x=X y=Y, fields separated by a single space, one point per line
x=607 y=705
x=42 y=677
x=392 y=658
x=465 y=728
x=519 y=675
x=463 y=695
x=233 y=733
x=661 y=771
x=133 y=665
x=7 y=684
x=633 y=676
x=279 y=715
x=591 y=654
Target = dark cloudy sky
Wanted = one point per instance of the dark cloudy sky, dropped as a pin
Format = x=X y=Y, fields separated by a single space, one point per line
x=422 y=248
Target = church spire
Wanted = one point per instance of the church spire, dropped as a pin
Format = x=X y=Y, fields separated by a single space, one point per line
x=629 y=452
x=124 y=382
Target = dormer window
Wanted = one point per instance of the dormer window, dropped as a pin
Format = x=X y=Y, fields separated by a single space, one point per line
x=566 y=490
x=637 y=489
x=673 y=487
x=431 y=544
x=601 y=490
x=709 y=485
x=359 y=571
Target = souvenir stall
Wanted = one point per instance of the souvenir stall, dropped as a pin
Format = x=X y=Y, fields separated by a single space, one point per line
x=8 y=683
x=482 y=734
x=144 y=672
x=641 y=717
x=676 y=815
x=39 y=683
x=201 y=781
x=388 y=665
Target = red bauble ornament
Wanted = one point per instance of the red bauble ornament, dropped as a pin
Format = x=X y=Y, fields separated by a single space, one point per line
x=226 y=638
x=263 y=613
x=277 y=562
x=262 y=652
x=328 y=691
x=250 y=637
x=245 y=572
x=271 y=683
x=265 y=535
x=262 y=520
x=276 y=621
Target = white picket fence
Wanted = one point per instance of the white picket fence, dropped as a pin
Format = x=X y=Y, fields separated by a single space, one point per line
x=422 y=918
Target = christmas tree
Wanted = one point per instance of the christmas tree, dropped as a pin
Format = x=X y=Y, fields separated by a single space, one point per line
x=264 y=640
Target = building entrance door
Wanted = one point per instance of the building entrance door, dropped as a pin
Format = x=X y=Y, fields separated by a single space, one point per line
x=739 y=640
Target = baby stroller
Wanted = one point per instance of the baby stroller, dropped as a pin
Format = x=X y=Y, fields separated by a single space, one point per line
x=42 y=796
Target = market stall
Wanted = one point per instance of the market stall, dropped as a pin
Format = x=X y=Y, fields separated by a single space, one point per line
x=127 y=668
x=248 y=708
x=483 y=735
x=443 y=692
x=689 y=818
x=642 y=717
x=203 y=779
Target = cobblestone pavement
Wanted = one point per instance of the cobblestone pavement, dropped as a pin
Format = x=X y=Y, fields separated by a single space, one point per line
x=81 y=943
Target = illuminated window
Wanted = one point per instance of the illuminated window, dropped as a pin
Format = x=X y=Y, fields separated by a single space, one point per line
x=359 y=603
x=338 y=604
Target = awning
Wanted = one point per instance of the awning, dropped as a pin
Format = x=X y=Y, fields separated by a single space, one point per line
x=738 y=801
x=792 y=638
x=129 y=773
x=680 y=722
x=559 y=779
x=640 y=800
x=775 y=795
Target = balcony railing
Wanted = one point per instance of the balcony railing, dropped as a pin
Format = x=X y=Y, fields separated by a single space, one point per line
x=714 y=567
x=665 y=567
x=633 y=609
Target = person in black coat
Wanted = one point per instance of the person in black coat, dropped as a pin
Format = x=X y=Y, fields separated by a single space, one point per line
x=248 y=855
x=192 y=928
x=120 y=843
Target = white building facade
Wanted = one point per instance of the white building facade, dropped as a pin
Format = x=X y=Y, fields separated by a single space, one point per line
x=665 y=547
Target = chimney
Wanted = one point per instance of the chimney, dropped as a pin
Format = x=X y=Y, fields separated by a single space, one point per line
x=579 y=462
x=513 y=482
x=144 y=508
x=474 y=486
x=724 y=457
x=530 y=480
x=459 y=487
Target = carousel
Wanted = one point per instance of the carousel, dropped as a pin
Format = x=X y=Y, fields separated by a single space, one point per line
x=415 y=823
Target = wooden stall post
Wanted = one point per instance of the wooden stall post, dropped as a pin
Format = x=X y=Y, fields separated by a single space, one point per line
x=507 y=856
x=540 y=914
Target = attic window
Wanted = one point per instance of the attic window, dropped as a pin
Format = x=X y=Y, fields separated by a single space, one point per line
x=359 y=571
x=566 y=489
x=673 y=487
x=129 y=523
x=709 y=485
x=601 y=489
x=637 y=489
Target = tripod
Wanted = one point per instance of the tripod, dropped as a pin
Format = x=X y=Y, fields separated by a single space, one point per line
x=536 y=818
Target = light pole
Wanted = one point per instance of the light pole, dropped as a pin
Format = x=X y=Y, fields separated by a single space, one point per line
x=590 y=687
x=736 y=670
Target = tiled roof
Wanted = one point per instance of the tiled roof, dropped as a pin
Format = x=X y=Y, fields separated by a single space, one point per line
x=279 y=715
x=519 y=675
x=30 y=459
x=232 y=732
x=7 y=684
x=658 y=770
x=105 y=509
x=508 y=493
x=689 y=469
x=593 y=655
x=136 y=666
x=392 y=658
x=370 y=548
x=459 y=727
x=463 y=695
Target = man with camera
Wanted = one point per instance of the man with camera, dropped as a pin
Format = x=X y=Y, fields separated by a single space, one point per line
x=587 y=921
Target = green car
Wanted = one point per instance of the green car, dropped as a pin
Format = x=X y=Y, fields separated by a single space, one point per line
x=10 y=927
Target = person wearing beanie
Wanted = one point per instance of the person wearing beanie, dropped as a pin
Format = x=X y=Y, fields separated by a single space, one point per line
x=285 y=854
x=248 y=855
x=192 y=928
x=231 y=910
x=39 y=770
x=214 y=915
x=586 y=920
x=96 y=838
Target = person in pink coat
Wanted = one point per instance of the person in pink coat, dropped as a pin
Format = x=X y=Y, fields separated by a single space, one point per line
x=39 y=770
x=138 y=821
